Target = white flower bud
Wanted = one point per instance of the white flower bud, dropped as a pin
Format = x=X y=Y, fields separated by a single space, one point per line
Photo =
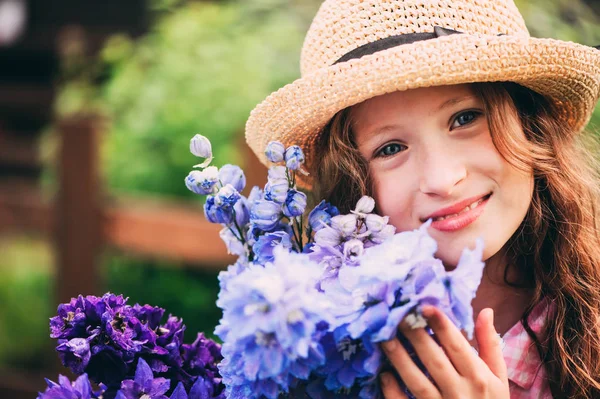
x=345 y=224
x=376 y=223
x=327 y=237
x=387 y=232
x=200 y=146
x=365 y=205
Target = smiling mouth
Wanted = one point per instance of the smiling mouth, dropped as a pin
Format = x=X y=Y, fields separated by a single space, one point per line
x=464 y=210
x=457 y=210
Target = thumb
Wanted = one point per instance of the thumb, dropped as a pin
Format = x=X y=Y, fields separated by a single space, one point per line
x=488 y=341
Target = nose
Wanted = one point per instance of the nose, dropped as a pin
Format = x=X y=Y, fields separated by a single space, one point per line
x=441 y=172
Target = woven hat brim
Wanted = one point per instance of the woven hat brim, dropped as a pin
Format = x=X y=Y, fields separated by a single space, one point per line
x=567 y=73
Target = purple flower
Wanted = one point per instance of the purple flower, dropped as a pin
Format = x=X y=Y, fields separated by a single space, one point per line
x=294 y=204
x=71 y=319
x=294 y=157
x=75 y=354
x=79 y=389
x=265 y=245
x=275 y=151
x=203 y=182
x=321 y=215
x=242 y=212
x=265 y=214
x=179 y=392
x=149 y=315
x=145 y=385
x=232 y=174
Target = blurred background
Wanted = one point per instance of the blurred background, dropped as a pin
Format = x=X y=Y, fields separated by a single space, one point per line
x=98 y=101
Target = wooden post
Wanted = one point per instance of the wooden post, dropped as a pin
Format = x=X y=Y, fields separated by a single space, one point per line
x=78 y=221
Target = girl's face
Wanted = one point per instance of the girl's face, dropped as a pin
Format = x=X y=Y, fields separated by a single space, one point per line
x=431 y=156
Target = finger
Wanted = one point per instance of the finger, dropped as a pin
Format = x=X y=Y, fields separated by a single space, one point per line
x=413 y=377
x=490 y=348
x=390 y=387
x=455 y=345
x=433 y=358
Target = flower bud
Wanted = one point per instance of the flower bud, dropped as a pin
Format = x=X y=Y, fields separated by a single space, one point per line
x=275 y=151
x=387 y=232
x=232 y=174
x=277 y=173
x=276 y=190
x=227 y=196
x=265 y=214
x=345 y=224
x=295 y=204
x=200 y=146
x=376 y=223
x=242 y=212
x=328 y=237
x=365 y=205
x=216 y=213
x=202 y=182
x=294 y=157
x=255 y=194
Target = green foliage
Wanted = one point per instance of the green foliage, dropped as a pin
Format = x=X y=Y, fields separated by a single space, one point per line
x=571 y=20
x=25 y=302
x=200 y=69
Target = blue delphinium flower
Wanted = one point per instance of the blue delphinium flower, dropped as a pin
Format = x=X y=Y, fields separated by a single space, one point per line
x=294 y=157
x=79 y=389
x=321 y=215
x=350 y=363
x=145 y=385
x=203 y=182
x=275 y=151
x=265 y=245
x=295 y=204
x=276 y=190
x=234 y=175
x=265 y=214
x=273 y=318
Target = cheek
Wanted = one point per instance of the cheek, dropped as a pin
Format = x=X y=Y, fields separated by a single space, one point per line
x=393 y=199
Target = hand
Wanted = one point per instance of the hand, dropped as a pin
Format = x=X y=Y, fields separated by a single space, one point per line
x=454 y=366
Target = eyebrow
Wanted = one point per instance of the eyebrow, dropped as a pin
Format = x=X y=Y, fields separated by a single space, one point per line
x=446 y=104
x=454 y=101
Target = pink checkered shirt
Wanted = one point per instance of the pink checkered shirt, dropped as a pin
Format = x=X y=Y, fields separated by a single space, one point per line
x=526 y=376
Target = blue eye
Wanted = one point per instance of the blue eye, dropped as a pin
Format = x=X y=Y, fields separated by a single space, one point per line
x=390 y=149
x=464 y=118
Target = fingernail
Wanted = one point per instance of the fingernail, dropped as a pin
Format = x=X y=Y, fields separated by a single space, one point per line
x=390 y=346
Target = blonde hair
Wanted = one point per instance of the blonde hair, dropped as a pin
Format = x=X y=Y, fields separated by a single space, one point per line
x=557 y=246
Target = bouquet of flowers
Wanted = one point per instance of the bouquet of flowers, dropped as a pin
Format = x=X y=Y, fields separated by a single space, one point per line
x=305 y=305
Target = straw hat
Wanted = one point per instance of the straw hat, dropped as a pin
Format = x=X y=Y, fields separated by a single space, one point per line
x=359 y=49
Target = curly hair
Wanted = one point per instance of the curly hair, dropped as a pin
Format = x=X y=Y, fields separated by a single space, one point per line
x=557 y=247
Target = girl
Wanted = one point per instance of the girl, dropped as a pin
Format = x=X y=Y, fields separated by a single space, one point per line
x=448 y=110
